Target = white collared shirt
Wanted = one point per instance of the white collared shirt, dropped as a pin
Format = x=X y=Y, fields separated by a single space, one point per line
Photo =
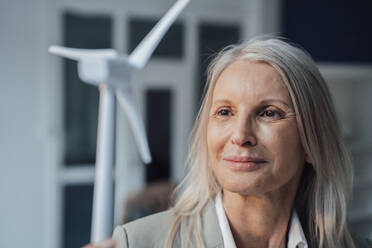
x=296 y=236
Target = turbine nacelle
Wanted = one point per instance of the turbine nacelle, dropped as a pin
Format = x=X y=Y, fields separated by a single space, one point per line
x=99 y=66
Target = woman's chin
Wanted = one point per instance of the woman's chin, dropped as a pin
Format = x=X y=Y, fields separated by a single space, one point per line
x=242 y=182
x=241 y=187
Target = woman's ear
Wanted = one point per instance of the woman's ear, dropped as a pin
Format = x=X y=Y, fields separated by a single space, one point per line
x=307 y=159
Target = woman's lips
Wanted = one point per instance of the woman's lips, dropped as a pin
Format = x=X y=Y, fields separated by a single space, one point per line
x=243 y=163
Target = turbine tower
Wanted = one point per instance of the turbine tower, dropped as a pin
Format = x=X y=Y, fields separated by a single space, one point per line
x=111 y=72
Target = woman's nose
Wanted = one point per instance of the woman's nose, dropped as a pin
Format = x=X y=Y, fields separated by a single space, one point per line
x=243 y=133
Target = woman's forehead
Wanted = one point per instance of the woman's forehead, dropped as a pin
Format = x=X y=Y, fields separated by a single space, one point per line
x=251 y=80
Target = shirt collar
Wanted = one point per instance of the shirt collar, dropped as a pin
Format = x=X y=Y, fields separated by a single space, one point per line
x=296 y=236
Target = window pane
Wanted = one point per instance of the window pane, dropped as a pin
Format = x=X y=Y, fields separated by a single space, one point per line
x=81 y=99
x=77 y=215
x=158 y=113
x=212 y=38
x=171 y=46
x=338 y=33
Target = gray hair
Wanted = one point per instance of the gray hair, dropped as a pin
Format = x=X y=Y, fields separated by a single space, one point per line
x=325 y=189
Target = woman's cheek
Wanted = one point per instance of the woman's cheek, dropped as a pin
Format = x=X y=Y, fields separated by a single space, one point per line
x=218 y=135
x=277 y=137
x=277 y=131
x=211 y=138
x=268 y=134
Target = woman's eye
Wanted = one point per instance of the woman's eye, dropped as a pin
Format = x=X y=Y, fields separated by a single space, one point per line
x=271 y=114
x=224 y=112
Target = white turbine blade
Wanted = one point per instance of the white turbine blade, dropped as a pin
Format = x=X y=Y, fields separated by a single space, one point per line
x=144 y=50
x=78 y=54
x=128 y=103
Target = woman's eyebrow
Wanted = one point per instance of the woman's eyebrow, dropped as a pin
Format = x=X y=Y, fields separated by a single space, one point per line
x=270 y=100
x=221 y=102
x=263 y=102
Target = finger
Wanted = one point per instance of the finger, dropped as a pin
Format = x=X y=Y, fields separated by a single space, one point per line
x=104 y=244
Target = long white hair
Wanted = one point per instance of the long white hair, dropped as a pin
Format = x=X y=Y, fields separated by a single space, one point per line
x=325 y=188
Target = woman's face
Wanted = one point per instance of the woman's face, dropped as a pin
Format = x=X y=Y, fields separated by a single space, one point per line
x=253 y=140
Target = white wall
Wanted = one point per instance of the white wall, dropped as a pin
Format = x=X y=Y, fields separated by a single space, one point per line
x=22 y=54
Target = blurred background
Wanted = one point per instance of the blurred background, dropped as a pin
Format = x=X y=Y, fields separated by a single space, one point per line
x=48 y=118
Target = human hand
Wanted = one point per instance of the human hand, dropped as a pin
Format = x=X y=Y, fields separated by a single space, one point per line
x=108 y=243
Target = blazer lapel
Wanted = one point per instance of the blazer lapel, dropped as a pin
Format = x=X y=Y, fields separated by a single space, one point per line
x=211 y=228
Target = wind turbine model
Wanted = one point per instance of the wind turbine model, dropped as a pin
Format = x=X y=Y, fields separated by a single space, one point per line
x=111 y=72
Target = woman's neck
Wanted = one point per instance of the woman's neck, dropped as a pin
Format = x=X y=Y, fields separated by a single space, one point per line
x=260 y=220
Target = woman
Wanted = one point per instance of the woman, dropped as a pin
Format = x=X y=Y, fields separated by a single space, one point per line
x=267 y=164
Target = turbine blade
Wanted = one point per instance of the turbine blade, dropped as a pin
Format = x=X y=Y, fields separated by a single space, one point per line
x=78 y=54
x=144 y=50
x=128 y=103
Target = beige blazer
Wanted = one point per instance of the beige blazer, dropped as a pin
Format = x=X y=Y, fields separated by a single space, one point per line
x=152 y=231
